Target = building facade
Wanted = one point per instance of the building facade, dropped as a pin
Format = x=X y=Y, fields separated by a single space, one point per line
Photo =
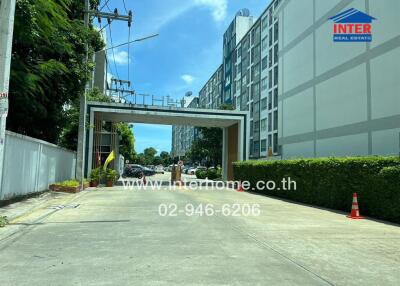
x=250 y=78
x=338 y=98
x=210 y=96
x=184 y=135
x=308 y=96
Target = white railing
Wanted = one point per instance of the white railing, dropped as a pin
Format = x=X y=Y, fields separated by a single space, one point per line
x=30 y=165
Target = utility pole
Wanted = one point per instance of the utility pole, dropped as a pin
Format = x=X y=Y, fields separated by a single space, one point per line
x=80 y=161
x=80 y=158
x=7 y=11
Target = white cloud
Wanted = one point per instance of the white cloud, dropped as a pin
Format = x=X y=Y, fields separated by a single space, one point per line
x=187 y=78
x=121 y=58
x=218 y=8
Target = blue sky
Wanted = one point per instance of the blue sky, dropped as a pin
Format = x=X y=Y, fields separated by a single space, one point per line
x=182 y=58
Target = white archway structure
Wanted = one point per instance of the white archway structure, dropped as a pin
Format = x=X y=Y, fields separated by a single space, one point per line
x=233 y=123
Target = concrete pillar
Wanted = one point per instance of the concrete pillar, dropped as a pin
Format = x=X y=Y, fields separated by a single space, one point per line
x=7 y=11
x=90 y=151
x=225 y=154
x=231 y=152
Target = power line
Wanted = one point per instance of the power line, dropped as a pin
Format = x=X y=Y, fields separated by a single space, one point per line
x=126 y=11
x=105 y=4
x=113 y=52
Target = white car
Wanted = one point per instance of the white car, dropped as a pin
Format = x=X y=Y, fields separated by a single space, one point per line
x=192 y=171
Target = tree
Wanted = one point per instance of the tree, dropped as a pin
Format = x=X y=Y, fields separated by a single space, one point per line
x=69 y=136
x=149 y=154
x=48 y=69
x=127 y=142
x=208 y=147
x=165 y=158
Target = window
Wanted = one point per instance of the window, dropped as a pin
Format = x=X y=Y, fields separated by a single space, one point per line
x=270 y=57
x=239 y=52
x=270 y=37
x=264 y=83
x=255 y=92
x=270 y=78
x=264 y=145
x=276 y=30
x=256 y=72
x=264 y=104
x=244 y=80
x=255 y=54
x=264 y=23
x=257 y=108
x=256 y=147
x=264 y=43
x=256 y=126
x=264 y=63
x=276 y=97
x=276 y=53
x=270 y=17
x=275 y=149
x=269 y=141
x=251 y=128
x=270 y=100
x=255 y=35
x=269 y=122
x=264 y=124
x=276 y=75
x=251 y=145
x=275 y=120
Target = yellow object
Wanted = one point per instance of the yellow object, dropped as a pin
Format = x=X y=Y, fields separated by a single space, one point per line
x=109 y=159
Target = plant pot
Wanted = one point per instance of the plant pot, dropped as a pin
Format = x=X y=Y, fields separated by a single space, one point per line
x=94 y=183
x=109 y=183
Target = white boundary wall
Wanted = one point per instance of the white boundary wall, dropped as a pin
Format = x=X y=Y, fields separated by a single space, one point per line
x=30 y=165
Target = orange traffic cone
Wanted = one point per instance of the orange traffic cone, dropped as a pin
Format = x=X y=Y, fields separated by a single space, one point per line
x=240 y=188
x=355 y=212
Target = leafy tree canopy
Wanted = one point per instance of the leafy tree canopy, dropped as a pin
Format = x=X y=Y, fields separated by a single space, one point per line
x=48 y=70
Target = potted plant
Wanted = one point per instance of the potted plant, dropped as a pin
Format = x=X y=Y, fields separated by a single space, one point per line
x=95 y=177
x=111 y=176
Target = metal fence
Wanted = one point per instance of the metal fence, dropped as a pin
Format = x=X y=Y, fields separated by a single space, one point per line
x=30 y=165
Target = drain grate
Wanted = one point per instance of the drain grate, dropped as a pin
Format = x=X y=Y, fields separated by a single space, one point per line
x=60 y=207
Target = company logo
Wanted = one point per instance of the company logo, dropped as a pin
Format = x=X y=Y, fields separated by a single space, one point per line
x=352 y=26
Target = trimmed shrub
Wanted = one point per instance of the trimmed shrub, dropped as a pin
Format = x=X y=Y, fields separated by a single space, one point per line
x=211 y=174
x=330 y=182
x=201 y=174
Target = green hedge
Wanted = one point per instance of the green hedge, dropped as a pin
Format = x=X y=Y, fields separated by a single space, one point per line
x=211 y=174
x=330 y=182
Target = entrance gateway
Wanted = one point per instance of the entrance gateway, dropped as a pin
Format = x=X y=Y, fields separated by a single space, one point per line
x=232 y=122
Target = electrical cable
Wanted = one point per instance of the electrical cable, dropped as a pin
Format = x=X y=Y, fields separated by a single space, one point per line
x=113 y=52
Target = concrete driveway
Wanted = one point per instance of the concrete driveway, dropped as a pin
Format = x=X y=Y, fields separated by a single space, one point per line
x=117 y=237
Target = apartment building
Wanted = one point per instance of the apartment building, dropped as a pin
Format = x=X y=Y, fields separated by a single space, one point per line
x=338 y=98
x=184 y=135
x=250 y=77
x=210 y=96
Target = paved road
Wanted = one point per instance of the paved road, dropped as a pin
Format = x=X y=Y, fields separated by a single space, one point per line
x=117 y=237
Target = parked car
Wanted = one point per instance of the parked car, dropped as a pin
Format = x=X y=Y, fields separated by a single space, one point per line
x=185 y=170
x=137 y=171
x=192 y=171
x=159 y=170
